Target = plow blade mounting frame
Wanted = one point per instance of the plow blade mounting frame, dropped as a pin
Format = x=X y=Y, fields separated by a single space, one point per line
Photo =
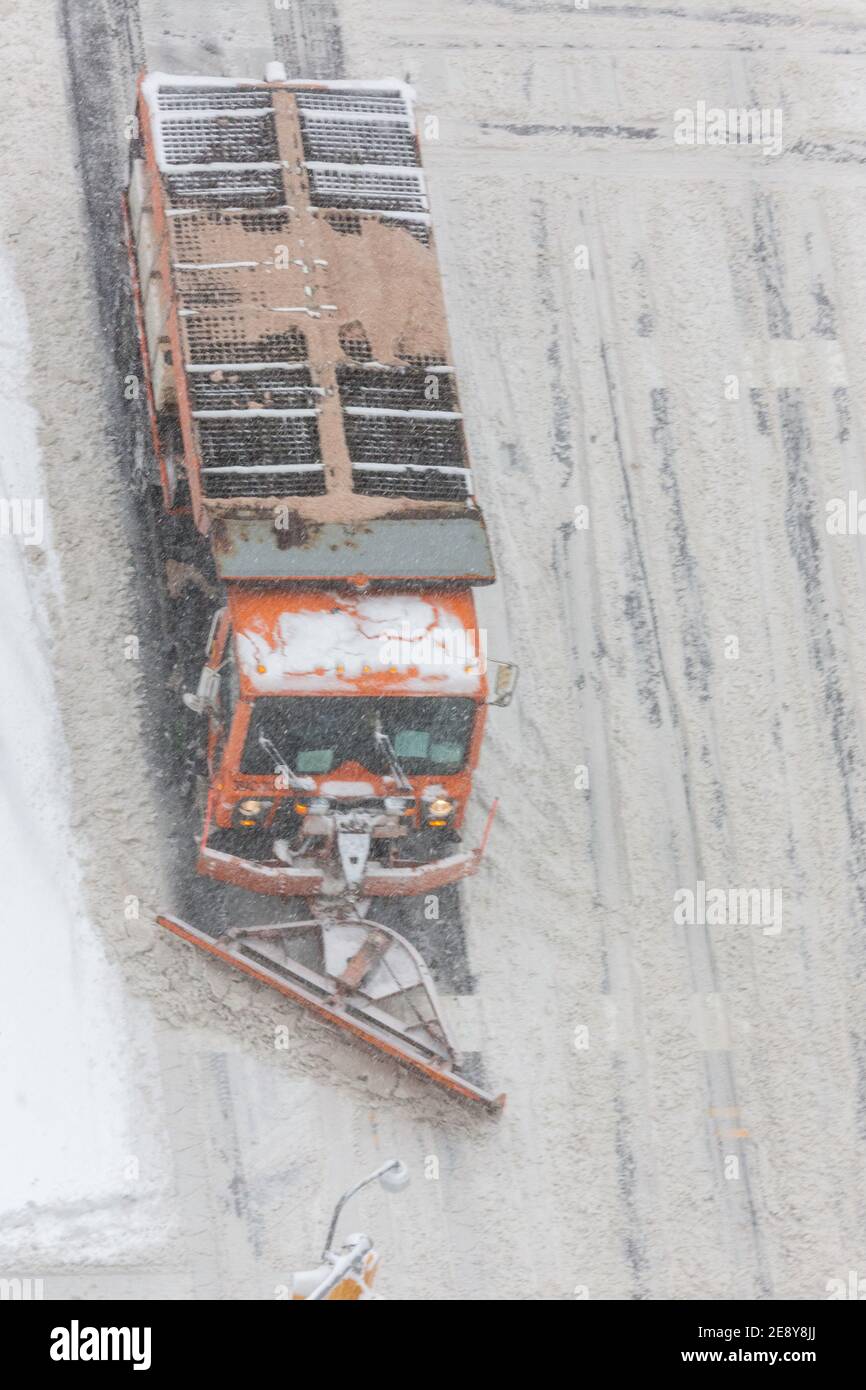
x=358 y=1015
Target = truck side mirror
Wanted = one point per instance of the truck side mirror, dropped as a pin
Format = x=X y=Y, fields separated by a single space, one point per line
x=504 y=682
x=206 y=698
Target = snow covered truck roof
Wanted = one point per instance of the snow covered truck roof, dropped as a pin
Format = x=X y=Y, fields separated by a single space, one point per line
x=309 y=642
x=306 y=329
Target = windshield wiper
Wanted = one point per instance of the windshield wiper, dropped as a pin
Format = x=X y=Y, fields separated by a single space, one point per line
x=396 y=770
x=282 y=767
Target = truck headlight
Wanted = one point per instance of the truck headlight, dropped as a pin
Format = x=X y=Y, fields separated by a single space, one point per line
x=439 y=810
x=252 y=811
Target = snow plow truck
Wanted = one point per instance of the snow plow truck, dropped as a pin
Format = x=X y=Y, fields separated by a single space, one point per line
x=304 y=415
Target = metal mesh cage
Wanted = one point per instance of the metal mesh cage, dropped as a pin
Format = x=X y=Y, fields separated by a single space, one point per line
x=395 y=439
x=422 y=485
x=247 y=188
x=212 y=98
x=266 y=388
x=219 y=287
x=348 y=142
x=373 y=103
x=406 y=388
x=260 y=456
x=354 y=342
x=221 y=140
x=367 y=188
x=224 y=338
x=253 y=393
x=310 y=483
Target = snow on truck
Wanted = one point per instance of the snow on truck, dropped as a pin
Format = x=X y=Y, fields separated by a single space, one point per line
x=304 y=414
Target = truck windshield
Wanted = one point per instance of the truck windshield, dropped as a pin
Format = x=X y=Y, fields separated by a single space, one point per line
x=316 y=735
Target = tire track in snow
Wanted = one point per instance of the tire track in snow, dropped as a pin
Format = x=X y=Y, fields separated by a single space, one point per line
x=629 y=1097
x=846 y=741
x=670 y=745
x=104 y=53
x=308 y=39
x=806 y=550
x=820 y=602
x=744 y=1199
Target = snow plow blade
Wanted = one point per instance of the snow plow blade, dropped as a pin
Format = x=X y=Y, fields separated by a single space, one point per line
x=397 y=1011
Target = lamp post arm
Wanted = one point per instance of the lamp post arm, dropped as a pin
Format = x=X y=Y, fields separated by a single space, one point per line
x=350 y=1192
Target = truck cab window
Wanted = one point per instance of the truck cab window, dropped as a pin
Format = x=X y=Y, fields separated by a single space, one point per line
x=430 y=734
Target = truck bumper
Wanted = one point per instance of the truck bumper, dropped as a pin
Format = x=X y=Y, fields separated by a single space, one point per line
x=283 y=881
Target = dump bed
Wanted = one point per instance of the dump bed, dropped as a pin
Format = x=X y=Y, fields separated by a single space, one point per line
x=295 y=323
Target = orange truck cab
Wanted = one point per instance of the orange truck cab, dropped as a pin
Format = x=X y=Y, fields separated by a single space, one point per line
x=323 y=704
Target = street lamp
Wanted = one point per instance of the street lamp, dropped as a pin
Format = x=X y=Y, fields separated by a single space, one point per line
x=393 y=1176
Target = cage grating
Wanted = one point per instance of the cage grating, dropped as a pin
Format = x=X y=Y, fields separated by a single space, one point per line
x=397 y=388
x=272 y=222
x=259 y=442
x=224 y=338
x=373 y=103
x=357 y=142
x=419 y=230
x=267 y=389
x=347 y=223
x=363 y=188
x=233 y=187
x=414 y=359
x=219 y=287
x=421 y=485
x=213 y=98
x=401 y=440
x=303 y=483
x=354 y=342
x=221 y=140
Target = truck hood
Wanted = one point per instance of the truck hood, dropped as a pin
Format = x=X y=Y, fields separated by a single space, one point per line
x=304 y=643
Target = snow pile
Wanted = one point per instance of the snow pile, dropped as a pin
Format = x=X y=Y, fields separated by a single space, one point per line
x=331 y=648
x=68 y=1165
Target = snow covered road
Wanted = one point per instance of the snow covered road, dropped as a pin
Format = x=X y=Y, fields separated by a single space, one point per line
x=668 y=336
